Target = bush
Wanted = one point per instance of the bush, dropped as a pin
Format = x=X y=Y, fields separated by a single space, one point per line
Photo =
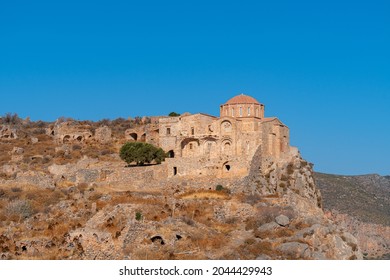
x=219 y=188
x=141 y=153
x=10 y=118
x=173 y=114
x=21 y=208
x=138 y=216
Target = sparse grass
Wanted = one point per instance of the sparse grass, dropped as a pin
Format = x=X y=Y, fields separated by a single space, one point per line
x=208 y=194
x=278 y=233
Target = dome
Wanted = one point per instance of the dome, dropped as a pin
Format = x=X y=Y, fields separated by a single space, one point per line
x=242 y=99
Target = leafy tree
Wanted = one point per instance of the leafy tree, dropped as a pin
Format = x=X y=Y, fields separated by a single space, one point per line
x=173 y=114
x=141 y=153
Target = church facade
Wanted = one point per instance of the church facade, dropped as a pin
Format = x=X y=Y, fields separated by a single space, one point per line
x=224 y=146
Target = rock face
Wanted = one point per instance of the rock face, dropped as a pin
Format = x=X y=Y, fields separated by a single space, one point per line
x=372 y=239
x=7 y=132
x=365 y=215
x=290 y=174
x=103 y=135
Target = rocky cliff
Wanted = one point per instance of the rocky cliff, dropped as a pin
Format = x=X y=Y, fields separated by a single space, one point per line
x=72 y=198
x=366 y=215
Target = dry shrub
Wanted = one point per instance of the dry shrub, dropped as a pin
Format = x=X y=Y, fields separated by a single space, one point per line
x=301 y=225
x=277 y=233
x=251 y=199
x=91 y=152
x=268 y=214
x=39 y=131
x=21 y=209
x=16 y=190
x=209 y=194
x=251 y=223
x=76 y=147
x=251 y=249
x=82 y=187
x=206 y=243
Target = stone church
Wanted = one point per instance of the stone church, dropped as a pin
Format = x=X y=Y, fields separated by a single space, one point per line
x=224 y=146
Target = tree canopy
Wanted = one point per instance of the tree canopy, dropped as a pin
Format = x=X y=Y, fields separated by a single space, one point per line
x=141 y=153
x=174 y=114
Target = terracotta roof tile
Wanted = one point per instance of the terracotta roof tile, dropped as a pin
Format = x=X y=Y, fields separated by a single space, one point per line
x=242 y=99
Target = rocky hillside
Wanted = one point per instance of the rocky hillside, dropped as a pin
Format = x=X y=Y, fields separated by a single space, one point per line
x=368 y=196
x=361 y=204
x=65 y=194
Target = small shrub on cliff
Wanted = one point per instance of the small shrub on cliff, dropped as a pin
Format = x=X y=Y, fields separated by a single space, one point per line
x=141 y=153
x=138 y=216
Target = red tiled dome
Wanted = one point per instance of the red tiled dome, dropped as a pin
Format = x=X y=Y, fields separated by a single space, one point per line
x=242 y=99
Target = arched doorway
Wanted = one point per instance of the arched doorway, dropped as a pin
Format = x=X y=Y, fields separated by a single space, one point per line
x=171 y=154
x=226 y=167
x=133 y=136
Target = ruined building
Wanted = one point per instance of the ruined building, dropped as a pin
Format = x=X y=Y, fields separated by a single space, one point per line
x=201 y=144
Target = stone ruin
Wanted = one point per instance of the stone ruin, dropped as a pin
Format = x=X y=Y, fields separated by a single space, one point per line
x=103 y=135
x=7 y=132
x=70 y=132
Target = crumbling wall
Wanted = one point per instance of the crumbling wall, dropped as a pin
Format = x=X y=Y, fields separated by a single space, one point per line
x=7 y=132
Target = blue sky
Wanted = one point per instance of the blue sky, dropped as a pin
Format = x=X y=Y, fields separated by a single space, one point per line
x=322 y=67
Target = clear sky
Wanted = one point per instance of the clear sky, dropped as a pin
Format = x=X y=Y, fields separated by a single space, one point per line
x=322 y=67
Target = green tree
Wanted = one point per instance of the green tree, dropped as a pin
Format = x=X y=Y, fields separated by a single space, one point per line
x=173 y=114
x=141 y=153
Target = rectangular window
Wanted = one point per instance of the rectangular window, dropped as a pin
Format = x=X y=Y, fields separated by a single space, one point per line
x=249 y=111
x=240 y=111
x=233 y=112
x=168 y=131
x=192 y=131
x=190 y=146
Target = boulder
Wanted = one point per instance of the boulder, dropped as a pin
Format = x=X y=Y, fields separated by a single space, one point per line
x=10 y=170
x=268 y=227
x=294 y=250
x=282 y=220
x=17 y=151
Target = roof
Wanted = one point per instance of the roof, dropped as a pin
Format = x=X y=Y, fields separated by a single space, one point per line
x=242 y=99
